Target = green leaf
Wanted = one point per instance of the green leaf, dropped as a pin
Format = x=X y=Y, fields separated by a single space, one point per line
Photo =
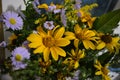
x=107 y=22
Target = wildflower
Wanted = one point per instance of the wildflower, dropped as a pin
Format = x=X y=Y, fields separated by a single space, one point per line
x=19 y=54
x=11 y=38
x=74 y=58
x=78 y=4
x=109 y=42
x=49 y=25
x=12 y=20
x=84 y=35
x=49 y=42
x=35 y=4
x=86 y=17
x=102 y=70
x=63 y=17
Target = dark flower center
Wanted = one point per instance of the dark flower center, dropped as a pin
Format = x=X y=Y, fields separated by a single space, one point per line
x=106 y=38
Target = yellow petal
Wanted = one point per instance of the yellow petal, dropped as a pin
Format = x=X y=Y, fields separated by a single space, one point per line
x=73 y=52
x=46 y=54
x=34 y=45
x=101 y=45
x=60 y=51
x=59 y=33
x=98 y=73
x=69 y=35
x=76 y=42
x=89 y=33
x=81 y=54
x=54 y=53
x=45 y=6
x=77 y=29
x=34 y=37
x=76 y=65
x=98 y=67
x=62 y=42
x=39 y=49
x=41 y=31
x=88 y=44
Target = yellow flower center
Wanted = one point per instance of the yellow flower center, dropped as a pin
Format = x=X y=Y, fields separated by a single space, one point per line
x=12 y=21
x=48 y=41
x=104 y=70
x=80 y=36
x=18 y=57
x=106 y=38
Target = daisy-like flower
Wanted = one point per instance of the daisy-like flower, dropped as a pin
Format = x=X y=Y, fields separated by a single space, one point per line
x=19 y=54
x=109 y=42
x=82 y=35
x=12 y=20
x=50 y=42
x=86 y=17
x=74 y=58
x=49 y=25
x=102 y=70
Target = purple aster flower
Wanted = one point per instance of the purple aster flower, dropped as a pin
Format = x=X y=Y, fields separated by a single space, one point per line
x=12 y=20
x=35 y=4
x=49 y=25
x=19 y=54
x=77 y=4
x=63 y=17
x=3 y=44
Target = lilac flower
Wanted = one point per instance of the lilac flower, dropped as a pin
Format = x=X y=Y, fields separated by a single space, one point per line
x=12 y=20
x=25 y=44
x=3 y=44
x=19 y=54
x=51 y=8
x=35 y=4
x=63 y=17
x=49 y=25
x=57 y=11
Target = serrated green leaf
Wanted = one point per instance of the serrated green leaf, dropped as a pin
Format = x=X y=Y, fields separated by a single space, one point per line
x=107 y=22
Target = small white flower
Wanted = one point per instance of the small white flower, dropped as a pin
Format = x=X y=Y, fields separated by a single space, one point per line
x=49 y=25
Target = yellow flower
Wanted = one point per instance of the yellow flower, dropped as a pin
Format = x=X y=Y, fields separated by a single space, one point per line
x=86 y=17
x=84 y=35
x=49 y=42
x=109 y=42
x=102 y=70
x=12 y=37
x=74 y=58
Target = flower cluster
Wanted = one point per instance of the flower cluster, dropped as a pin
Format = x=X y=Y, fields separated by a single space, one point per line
x=58 y=41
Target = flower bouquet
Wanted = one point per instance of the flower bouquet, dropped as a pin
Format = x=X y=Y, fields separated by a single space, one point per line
x=60 y=41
